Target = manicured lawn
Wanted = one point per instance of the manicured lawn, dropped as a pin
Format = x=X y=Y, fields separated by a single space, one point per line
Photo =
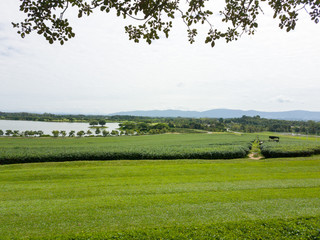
x=173 y=199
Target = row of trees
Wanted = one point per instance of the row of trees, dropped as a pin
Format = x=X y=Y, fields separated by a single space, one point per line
x=56 y=133
x=243 y=124
x=170 y=124
x=132 y=128
x=257 y=124
x=49 y=117
x=148 y=125
x=17 y=133
x=127 y=128
x=88 y=133
x=82 y=133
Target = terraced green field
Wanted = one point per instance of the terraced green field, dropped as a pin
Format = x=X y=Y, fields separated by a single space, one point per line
x=176 y=199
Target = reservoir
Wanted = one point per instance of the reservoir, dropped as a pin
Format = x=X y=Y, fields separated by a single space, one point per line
x=48 y=127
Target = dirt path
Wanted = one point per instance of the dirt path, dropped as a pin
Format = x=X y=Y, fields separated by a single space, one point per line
x=251 y=156
x=255 y=152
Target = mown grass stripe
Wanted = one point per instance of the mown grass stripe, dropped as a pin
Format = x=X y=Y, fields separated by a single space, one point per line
x=75 y=200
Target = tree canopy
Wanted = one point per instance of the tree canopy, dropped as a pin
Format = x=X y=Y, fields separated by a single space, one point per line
x=155 y=17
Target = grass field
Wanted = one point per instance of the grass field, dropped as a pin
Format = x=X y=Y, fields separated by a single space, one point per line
x=176 y=199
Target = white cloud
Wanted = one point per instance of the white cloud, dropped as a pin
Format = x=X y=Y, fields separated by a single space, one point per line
x=282 y=99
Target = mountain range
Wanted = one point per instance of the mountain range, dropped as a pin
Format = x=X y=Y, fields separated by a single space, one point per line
x=227 y=113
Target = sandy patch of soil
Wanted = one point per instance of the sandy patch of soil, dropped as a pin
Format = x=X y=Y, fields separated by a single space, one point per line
x=251 y=156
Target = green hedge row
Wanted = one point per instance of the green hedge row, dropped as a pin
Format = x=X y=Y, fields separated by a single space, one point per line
x=291 y=149
x=58 y=155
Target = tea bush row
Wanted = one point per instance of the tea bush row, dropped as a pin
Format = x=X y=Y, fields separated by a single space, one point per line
x=25 y=155
x=290 y=149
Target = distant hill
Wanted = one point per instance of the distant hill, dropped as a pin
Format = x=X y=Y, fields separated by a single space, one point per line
x=227 y=113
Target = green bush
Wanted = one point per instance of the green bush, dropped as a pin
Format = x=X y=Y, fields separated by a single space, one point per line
x=290 y=148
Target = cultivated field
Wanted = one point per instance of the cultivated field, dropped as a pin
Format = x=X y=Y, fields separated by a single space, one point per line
x=176 y=199
x=276 y=198
x=165 y=146
x=292 y=147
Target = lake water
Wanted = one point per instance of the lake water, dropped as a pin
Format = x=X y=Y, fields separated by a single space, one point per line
x=48 y=127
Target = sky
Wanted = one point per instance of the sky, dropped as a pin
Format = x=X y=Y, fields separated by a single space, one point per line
x=101 y=71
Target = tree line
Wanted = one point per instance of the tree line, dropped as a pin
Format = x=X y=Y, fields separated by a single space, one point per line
x=62 y=133
x=244 y=124
x=49 y=117
x=154 y=125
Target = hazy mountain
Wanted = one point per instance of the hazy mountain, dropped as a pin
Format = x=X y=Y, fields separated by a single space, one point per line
x=226 y=113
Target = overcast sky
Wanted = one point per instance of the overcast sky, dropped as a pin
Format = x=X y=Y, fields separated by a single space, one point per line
x=100 y=71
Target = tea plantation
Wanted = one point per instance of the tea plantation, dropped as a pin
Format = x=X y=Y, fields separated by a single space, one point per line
x=165 y=146
x=275 y=198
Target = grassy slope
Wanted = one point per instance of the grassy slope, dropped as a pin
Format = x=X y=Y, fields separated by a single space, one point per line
x=151 y=197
